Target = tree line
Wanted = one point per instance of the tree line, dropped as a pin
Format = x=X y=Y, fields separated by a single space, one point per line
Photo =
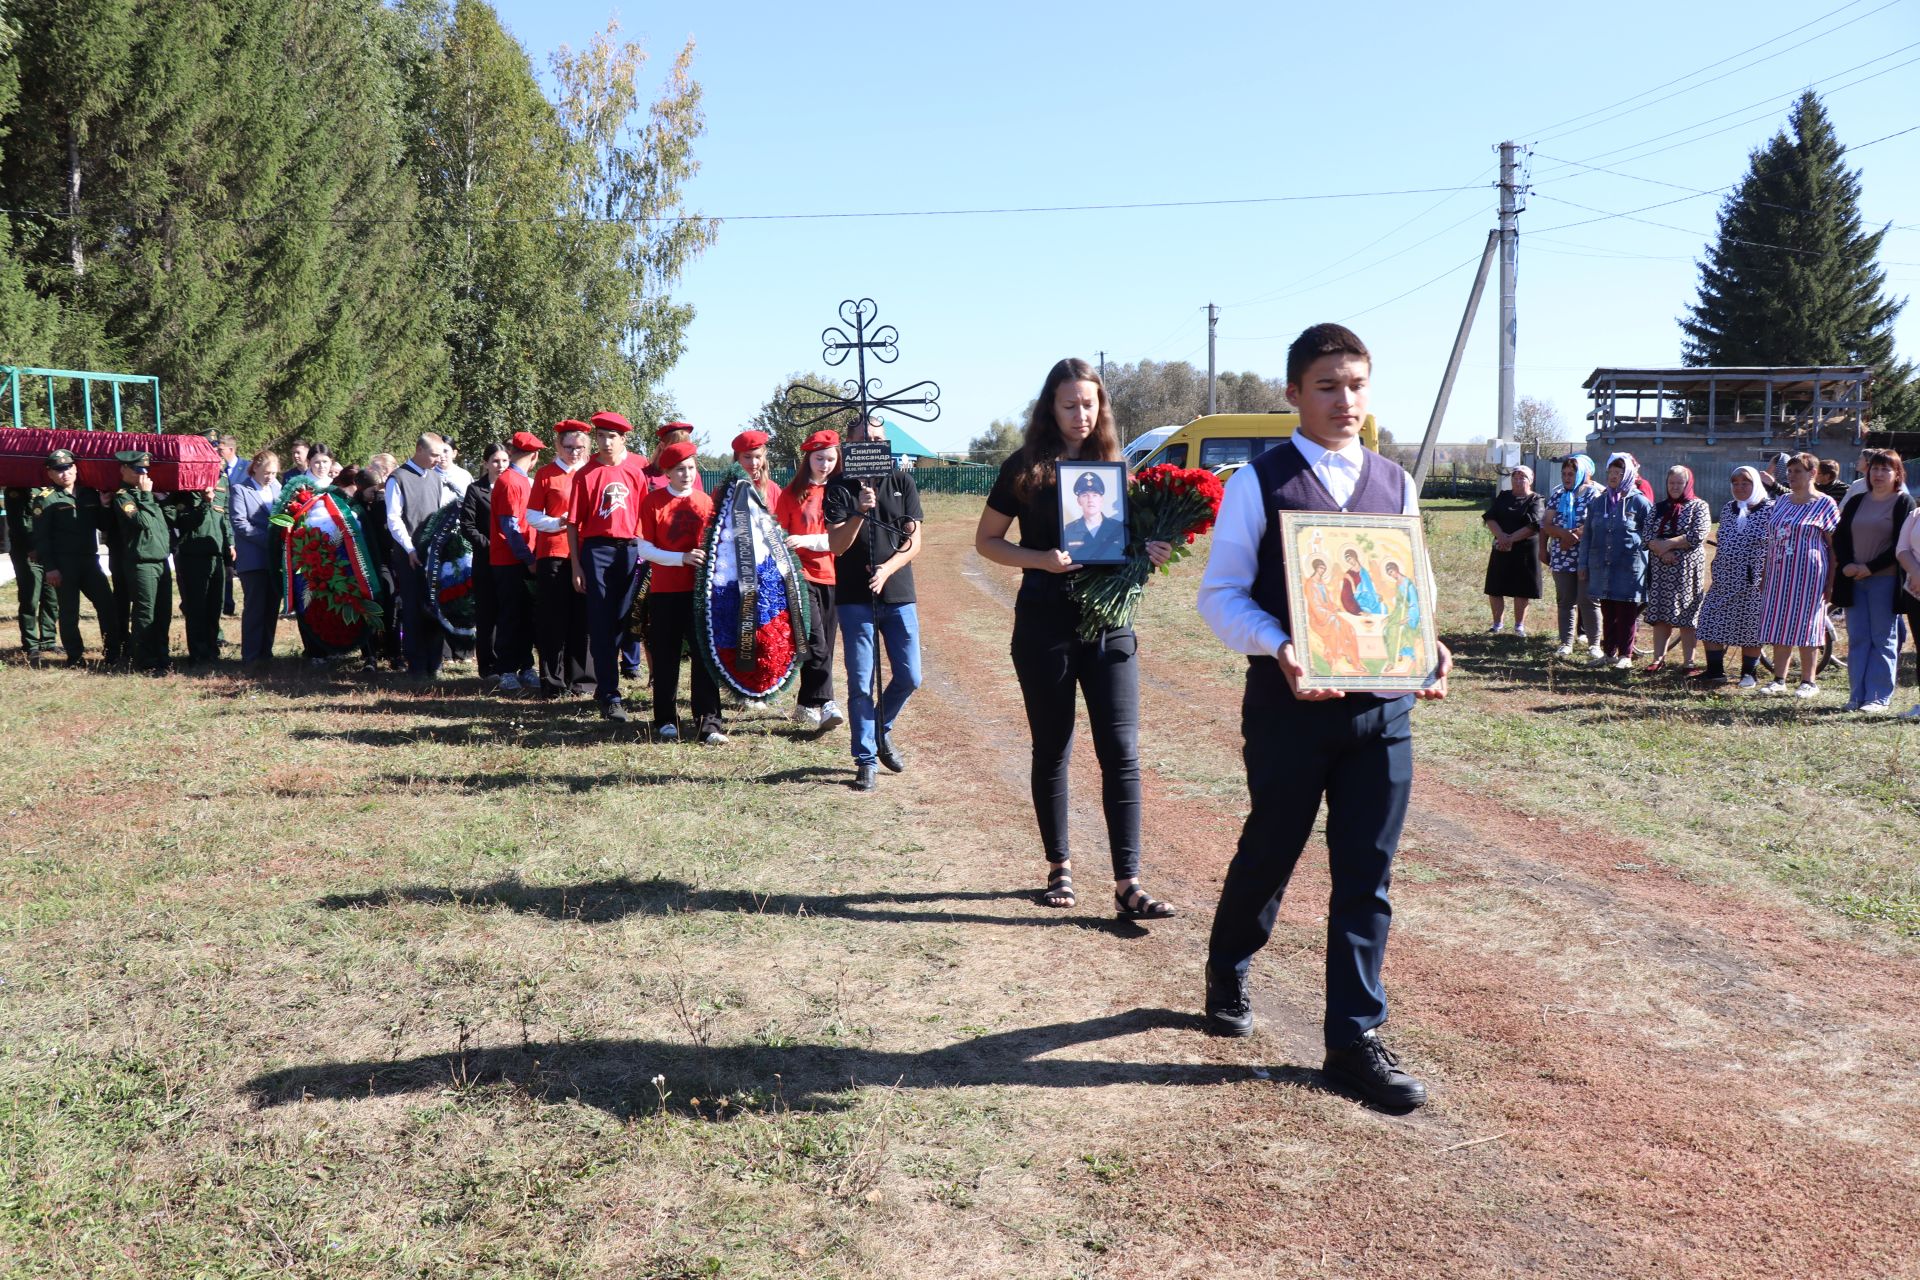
x=343 y=220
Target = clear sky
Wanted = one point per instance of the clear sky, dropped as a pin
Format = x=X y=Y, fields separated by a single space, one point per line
x=861 y=106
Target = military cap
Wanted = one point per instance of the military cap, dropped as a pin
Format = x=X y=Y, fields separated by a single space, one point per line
x=59 y=460
x=1089 y=482
x=133 y=458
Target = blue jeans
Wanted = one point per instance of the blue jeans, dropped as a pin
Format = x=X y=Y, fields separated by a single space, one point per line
x=1873 y=638
x=899 y=627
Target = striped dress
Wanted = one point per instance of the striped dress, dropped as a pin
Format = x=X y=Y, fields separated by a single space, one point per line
x=1793 y=611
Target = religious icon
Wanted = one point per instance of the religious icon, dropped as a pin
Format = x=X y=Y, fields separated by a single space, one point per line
x=1360 y=591
x=1093 y=511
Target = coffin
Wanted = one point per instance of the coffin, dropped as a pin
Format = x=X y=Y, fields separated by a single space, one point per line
x=179 y=462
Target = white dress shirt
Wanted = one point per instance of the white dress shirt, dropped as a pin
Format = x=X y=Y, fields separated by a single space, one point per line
x=1226 y=589
x=540 y=520
x=397 y=504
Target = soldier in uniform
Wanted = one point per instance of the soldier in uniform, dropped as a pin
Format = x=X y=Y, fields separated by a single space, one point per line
x=39 y=608
x=1093 y=537
x=140 y=534
x=203 y=554
x=65 y=547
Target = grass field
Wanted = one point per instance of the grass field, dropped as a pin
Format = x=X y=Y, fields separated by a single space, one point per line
x=324 y=977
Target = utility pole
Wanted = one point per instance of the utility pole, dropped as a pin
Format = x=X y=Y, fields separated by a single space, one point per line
x=1213 y=323
x=1509 y=267
x=1103 y=365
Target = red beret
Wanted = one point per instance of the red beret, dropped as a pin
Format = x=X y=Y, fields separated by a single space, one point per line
x=565 y=425
x=604 y=421
x=747 y=441
x=666 y=429
x=674 y=454
x=828 y=439
x=526 y=442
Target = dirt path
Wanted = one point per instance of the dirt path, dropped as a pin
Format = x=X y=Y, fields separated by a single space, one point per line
x=1633 y=1074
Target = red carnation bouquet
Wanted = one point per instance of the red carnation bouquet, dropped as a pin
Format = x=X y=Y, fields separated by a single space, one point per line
x=1164 y=504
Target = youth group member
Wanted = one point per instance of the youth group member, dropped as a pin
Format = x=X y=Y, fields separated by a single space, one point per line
x=1798 y=576
x=750 y=451
x=1515 y=519
x=1866 y=584
x=1678 y=577
x=414 y=491
x=476 y=525
x=250 y=506
x=665 y=434
x=1613 y=558
x=1353 y=750
x=802 y=513
x=1730 y=613
x=1566 y=517
x=560 y=630
x=605 y=521
x=874 y=532
x=510 y=561
x=65 y=544
x=673 y=522
x=1072 y=421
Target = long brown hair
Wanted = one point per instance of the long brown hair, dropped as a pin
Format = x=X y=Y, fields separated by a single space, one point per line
x=796 y=488
x=1041 y=451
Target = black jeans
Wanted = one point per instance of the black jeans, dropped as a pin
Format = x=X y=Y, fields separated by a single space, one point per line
x=486 y=616
x=513 y=618
x=1355 y=752
x=669 y=628
x=1051 y=661
x=816 y=671
x=420 y=632
x=560 y=628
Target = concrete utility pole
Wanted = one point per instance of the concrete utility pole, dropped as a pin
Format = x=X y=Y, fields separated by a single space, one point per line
x=1103 y=365
x=1503 y=429
x=1213 y=323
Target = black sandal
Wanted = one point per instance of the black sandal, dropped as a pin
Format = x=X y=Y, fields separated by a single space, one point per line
x=1059 y=891
x=1135 y=903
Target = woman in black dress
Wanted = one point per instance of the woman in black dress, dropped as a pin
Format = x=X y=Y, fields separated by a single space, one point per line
x=1513 y=566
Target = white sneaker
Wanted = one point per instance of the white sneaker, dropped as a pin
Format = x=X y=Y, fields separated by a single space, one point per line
x=509 y=683
x=1874 y=708
x=1748 y=682
x=1807 y=691
x=1496 y=628
x=1564 y=651
x=1911 y=713
x=1623 y=664
x=1520 y=631
x=714 y=738
x=1775 y=688
x=830 y=717
x=1595 y=651
x=667 y=733
x=809 y=716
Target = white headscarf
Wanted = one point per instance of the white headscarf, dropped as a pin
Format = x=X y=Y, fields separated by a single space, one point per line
x=1756 y=498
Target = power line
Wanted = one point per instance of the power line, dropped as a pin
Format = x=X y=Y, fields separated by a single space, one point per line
x=1668 y=226
x=1417 y=288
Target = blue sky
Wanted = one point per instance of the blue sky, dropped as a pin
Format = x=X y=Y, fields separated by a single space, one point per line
x=866 y=106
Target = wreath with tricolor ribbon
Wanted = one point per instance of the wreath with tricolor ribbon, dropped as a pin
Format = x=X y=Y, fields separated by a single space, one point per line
x=751 y=600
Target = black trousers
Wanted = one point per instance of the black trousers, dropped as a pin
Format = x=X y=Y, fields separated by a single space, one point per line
x=560 y=627
x=1357 y=753
x=1051 y=662
x=424 y=638
x=513 y=614
x=486 y=615
x=816 y=669
x=670 y=627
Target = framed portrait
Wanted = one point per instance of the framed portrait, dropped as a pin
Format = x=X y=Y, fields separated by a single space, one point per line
x=1093 y=511
x=1360 y=589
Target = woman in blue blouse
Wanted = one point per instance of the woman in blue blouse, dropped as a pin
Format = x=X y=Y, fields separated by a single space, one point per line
x=1566 y=515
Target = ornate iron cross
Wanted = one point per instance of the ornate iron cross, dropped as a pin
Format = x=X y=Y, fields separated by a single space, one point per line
x=809 y=405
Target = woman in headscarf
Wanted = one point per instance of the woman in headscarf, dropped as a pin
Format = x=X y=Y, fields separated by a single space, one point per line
x=1613 y=558
x=1560 y=538
x=1679 y=569
x=1514 y=518
x=1730 y=612
x=1799 y=576
x=1866 y=580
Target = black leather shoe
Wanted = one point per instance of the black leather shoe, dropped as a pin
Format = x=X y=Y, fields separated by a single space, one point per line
x=1229 y=1005
x=616 y=711
x=1371 y=1070
x=889 y=755
x=863 y=777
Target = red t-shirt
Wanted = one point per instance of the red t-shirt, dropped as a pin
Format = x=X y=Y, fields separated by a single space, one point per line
x=606 y=498
x=807 y=516
x=674 y=524
x=552 y=495
x=510 y=494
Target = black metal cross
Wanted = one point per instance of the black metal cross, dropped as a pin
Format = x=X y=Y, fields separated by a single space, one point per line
x=921 y=401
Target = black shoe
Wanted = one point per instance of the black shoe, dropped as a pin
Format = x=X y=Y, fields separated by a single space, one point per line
x=863 y=777
x=1229 y=1004
x=1371 y=1070
x=629 y=673
x=615 y=710
x=890 y=755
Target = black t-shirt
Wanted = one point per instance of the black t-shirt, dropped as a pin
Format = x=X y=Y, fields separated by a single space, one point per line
x=898 y=500
x=1039 y=518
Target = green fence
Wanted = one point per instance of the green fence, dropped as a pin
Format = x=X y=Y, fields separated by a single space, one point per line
x=973 y=480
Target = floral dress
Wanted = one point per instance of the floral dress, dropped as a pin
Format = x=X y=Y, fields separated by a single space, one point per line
x=1799 y=561
x=1567 y=559
x=1675 y=590
x=1730 y=614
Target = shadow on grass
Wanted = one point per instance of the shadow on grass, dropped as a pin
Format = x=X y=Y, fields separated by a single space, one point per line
x=604 y=901
x=616 y=1075
x=580 y=783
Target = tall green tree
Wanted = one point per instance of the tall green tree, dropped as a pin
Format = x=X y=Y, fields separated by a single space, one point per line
x=778 y=419
x=1793 y=278
x=1153 y=394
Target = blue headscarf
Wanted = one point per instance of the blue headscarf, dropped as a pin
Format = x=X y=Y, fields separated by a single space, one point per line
x=1582 y=475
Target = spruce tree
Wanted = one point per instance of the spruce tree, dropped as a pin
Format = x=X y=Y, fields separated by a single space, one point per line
x=1793 y=279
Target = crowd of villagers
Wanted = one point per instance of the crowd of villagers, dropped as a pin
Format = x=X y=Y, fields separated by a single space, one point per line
x=1759 y=584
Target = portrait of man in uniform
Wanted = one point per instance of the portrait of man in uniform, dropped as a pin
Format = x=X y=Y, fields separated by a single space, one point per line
x=1093 y=515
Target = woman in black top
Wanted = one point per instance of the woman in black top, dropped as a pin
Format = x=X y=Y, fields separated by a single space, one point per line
x=476 y=519
x=1071 y=419
x=1515 y=519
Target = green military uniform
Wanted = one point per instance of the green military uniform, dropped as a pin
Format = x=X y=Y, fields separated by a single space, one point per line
x=39 y=603
x=141 y=536
x=64 y=542
x=201 y=556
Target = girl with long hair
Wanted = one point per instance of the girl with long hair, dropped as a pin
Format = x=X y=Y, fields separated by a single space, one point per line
x=801 y=511
x=1072 y=421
